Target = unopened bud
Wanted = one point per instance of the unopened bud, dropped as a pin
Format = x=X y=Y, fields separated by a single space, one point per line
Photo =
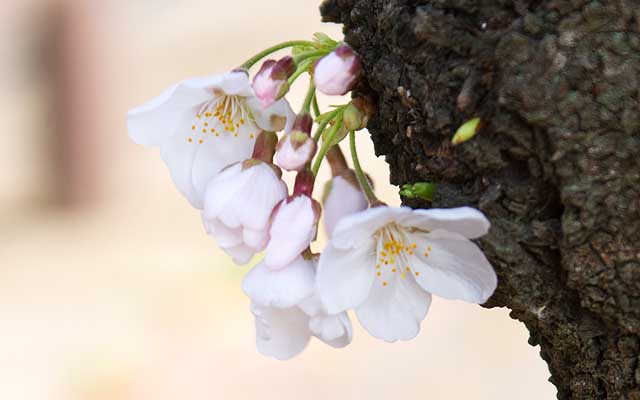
x=337 y=72
x=303 y=123
x=352 y=118
x=297 y=148
x=270 y=83
x=366 y=107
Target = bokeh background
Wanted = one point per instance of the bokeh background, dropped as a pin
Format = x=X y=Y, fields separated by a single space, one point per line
x=110 y=290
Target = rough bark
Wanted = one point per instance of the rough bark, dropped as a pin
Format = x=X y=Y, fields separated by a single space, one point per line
x=556 y=166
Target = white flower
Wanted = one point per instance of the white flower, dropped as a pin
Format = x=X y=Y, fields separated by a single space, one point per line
x=333 y=329
x=204 y=124
x=281 y=288
x=238 y=205
x=281 y=333
x=293 y=228
x=344 y=198
x=288 y=312
x=385 y=262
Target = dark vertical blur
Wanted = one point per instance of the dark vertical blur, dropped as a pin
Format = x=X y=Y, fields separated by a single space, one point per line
x=77 y=82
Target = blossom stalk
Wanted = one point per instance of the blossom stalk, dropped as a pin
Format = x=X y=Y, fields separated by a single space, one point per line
x=270 y=50
x=265 y=146
x=362 y=179
x=327 y=143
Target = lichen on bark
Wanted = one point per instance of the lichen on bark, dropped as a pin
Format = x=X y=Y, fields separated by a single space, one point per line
x=556 y=166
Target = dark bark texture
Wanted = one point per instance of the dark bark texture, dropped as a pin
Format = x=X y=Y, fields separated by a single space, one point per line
x=556 y=165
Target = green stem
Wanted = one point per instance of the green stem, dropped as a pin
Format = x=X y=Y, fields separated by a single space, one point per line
x=316 y=107
x=321 y=128
x=326 y=144
x=304 y=67
x=306 y=106
x=253 y=60
x=309 y=54
x=362 y=178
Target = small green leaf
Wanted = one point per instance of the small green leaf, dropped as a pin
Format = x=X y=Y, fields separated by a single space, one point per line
x=422 y=190
x=467 y=131
x=326 y=116
x=323 y=41
x=407 y=193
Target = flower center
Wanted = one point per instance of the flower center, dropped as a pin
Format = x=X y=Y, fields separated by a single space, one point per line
x=393 y=252
x=223 y=115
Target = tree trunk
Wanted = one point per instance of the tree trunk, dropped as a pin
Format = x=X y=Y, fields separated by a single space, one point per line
x=555 y=166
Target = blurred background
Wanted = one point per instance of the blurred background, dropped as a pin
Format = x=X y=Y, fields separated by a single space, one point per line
x=109 y=288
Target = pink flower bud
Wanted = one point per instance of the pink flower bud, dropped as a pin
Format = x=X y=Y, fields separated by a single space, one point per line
x=297 y=148
x=294 y=224
x=270 y=83
x=336 y=73
x=293 y=228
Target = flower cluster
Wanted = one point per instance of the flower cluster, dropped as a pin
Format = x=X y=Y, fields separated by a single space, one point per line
x=218 y=136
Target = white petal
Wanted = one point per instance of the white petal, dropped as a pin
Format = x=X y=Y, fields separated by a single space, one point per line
x=455 y=267
x=215 y=153
x=225 y=236
x=236 y=83
x=269 y=119
x=179 y=154
x=245 y=197
x=281 y=333
x=343 y=199
x=282 y=288
x=255 y=239
x=394 y=312
x=312 y=305
x=262 y=192
x=345 y=276
x=221 y=191
x=355 y=229
x=467 y=221
x=240 y=254
x=334 y=330
x=188 y=145
x=154 y=122
x=292 y=230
